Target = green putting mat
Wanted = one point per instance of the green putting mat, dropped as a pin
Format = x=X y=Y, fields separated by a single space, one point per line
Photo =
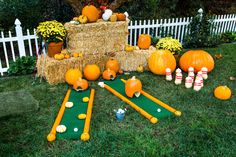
x=143 y=102
x=70 y=119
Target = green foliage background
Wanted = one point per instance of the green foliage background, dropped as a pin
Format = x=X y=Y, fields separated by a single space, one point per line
x=31 y=12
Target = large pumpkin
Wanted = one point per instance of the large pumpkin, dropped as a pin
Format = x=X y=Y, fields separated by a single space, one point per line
x=222 y=93
x=160 y=60
x=133 y=87
x=196 y=59
x=144 y=41
x=91 y=12
x=72 y=75
x=80 y=84
x=113 y=64
x=91 y=72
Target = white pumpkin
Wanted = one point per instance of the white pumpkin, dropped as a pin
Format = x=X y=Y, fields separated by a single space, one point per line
x=61 y=128
x=107 y=14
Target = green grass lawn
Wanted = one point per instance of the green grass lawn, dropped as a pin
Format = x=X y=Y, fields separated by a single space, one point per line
x=207 y=126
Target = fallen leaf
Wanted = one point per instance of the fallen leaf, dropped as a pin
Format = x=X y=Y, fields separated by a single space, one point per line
x=218 y=56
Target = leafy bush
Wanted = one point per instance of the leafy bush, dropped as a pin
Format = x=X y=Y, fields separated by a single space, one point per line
x=200 y=33
x=22 y=66
x=228 y=37
x=168 y=43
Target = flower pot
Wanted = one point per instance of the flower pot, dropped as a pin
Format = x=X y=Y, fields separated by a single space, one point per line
x=54 y=48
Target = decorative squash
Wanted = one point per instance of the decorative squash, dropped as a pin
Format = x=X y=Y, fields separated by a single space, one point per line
x=72 y=75
x=140 y=68
x=144 y=41
x=77 y=54
x=222 y=93
x=133 y=87
x=80 y=84
x=196 y=59
x=91 y=72
x=113 y=18
x=91 y=12
x=109 y=74
x=129 y=48
x=83 y=19
x=120 y=17
x=59 y=56
x=67 y=56
x=160 y=60
x=113 y=64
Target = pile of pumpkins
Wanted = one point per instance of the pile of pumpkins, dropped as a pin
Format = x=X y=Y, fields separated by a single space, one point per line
x=91 y=14
x=92 y=72
x=66 y=55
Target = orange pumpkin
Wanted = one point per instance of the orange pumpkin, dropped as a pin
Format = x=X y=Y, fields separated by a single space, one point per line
x=133 y=87
x=91 y=12
x=144 y=41
x=109 y=74
x=80 y=84
x=120 y=17
x=72 y=75
x=196 y=59
x=160 y=60
x=222 y=93
x=67 y=56
x=113 y=64
x=91 y=72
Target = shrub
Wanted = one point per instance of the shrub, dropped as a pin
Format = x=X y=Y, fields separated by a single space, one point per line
x=200 y=33
x=168 y=43
x=228 y=37
x=22 y=66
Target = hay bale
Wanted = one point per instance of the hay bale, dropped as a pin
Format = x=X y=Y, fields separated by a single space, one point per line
x=129 y=61
x=54 y=70
x=100 y=37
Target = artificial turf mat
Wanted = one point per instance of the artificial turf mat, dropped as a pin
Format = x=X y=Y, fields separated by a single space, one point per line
x=70 y=119
x=142 y=101
x=17 y=102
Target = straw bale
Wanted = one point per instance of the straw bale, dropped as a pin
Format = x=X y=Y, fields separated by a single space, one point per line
x=100 y=37
x=54 y=70
x=129 y=61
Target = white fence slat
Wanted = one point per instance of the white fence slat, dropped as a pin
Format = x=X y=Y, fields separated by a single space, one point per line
x=29 y=41
x=20 y=40
x=36 y=43
x=1 y=69
x=5 y=50
x=12 y=48
x=228 y=22
x=148 y=30
x=144 y=29
x=157 y=26
x=140 y=30
x=131 y=34
x=135 y=33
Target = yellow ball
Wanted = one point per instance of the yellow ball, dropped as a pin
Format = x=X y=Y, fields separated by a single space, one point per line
x=51 y=137
x=85 y=99
x=85 y=137
x=178 y=113
x=153 y=120
x=82 y=116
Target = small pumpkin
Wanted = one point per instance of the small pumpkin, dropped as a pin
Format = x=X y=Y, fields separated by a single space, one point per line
x=92 y=72
x=91 y=12
x=80 y=84
x=196 y=59
x=113 y=64
x=133 y=87
x=120 y=17
x=222 y=92
x=77 y=54
x=121 y=71
x=144 y=41
x=109 y=74
x=59 y=56
x=129 y=48
x=72 y=75
x=160 y=60
x=83 y=19
x=113 y=18
x=67 y=56
x=140 y=68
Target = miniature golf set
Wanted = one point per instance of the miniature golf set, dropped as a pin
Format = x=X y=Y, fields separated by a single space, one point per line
x=107 y=56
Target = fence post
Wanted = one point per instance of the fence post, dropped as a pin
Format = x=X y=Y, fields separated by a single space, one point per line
x=200 y=12
x=20 y=40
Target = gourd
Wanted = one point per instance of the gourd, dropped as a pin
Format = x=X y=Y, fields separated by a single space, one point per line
x=83 y=19
x=91 y=12
x=113 y=64
x=72 y=75
x=109 y=74
x=107 y=14
x=196 y=59
x=113 y=18
x=133 y=87
x=59 y=56
x=91 y=72
x=222 y=92
x=80 y=84
x=160 y=60
x=140 y=68
x=144 y=41
x=67 y=56
x=120 y=17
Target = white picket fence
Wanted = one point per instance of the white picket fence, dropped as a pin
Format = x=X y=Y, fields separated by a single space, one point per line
x=21 y=44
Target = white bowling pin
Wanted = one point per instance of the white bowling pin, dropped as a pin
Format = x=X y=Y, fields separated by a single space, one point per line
x=188 y=82
x=204 y=73
x=168 y=74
